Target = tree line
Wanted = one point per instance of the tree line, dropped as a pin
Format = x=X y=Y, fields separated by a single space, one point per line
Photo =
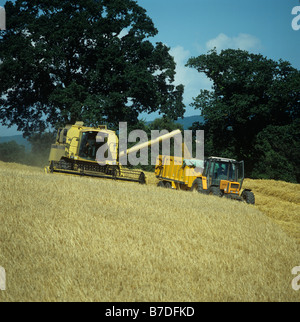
x=37 y=155
x=63 y=61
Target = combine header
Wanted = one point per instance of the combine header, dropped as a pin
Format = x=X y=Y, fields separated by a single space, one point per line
x=76 y=148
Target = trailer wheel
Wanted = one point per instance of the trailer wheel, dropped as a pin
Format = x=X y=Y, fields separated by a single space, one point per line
x=248 y=196
x=161 y=184
x=168 y=185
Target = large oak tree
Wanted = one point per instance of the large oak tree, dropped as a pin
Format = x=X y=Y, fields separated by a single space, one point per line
x=252 y=112
x=90 y=60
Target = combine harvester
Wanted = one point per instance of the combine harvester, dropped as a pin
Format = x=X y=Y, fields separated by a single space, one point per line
x=75 y=152
x=216 y=176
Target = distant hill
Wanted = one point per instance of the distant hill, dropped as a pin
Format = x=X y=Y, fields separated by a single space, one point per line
x=18 y=139
x=189 y=120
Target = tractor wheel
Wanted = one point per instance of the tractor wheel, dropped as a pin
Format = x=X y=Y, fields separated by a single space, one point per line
x=161 y=184
x=197 y=186
x=248 y=196
x=215 y=191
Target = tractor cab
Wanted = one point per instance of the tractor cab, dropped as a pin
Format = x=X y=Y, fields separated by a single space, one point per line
x=217 y=169
x=226 y=175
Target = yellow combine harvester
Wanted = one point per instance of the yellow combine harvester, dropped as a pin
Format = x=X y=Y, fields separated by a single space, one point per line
x=76 y=148
x=216 y=176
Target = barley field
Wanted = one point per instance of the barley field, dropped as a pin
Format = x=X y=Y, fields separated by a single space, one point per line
x=67 y=238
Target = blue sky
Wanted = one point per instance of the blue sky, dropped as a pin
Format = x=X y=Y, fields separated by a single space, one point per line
x=192 y=27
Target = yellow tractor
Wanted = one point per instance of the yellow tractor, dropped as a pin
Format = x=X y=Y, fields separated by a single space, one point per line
x=76 y=152
x=216 y=176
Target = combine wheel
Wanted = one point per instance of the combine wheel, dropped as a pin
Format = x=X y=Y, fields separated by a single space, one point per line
x=51 y=167
x=142 y=178
x=215 y=191
x=64 y=165
x=248 y=196
x=116 y=172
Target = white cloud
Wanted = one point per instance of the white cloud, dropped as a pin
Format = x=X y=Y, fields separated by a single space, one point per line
x=192 y=80
x=242 y=41
x=189 y=77
x=181 y=56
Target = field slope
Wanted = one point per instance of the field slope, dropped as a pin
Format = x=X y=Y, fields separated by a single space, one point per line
x=65 y=238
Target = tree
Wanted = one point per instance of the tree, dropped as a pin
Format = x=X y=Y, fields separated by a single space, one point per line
x=12 y=152
x=90 y=60
x=165 y=123
x=279 y=150
x=251 y=97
